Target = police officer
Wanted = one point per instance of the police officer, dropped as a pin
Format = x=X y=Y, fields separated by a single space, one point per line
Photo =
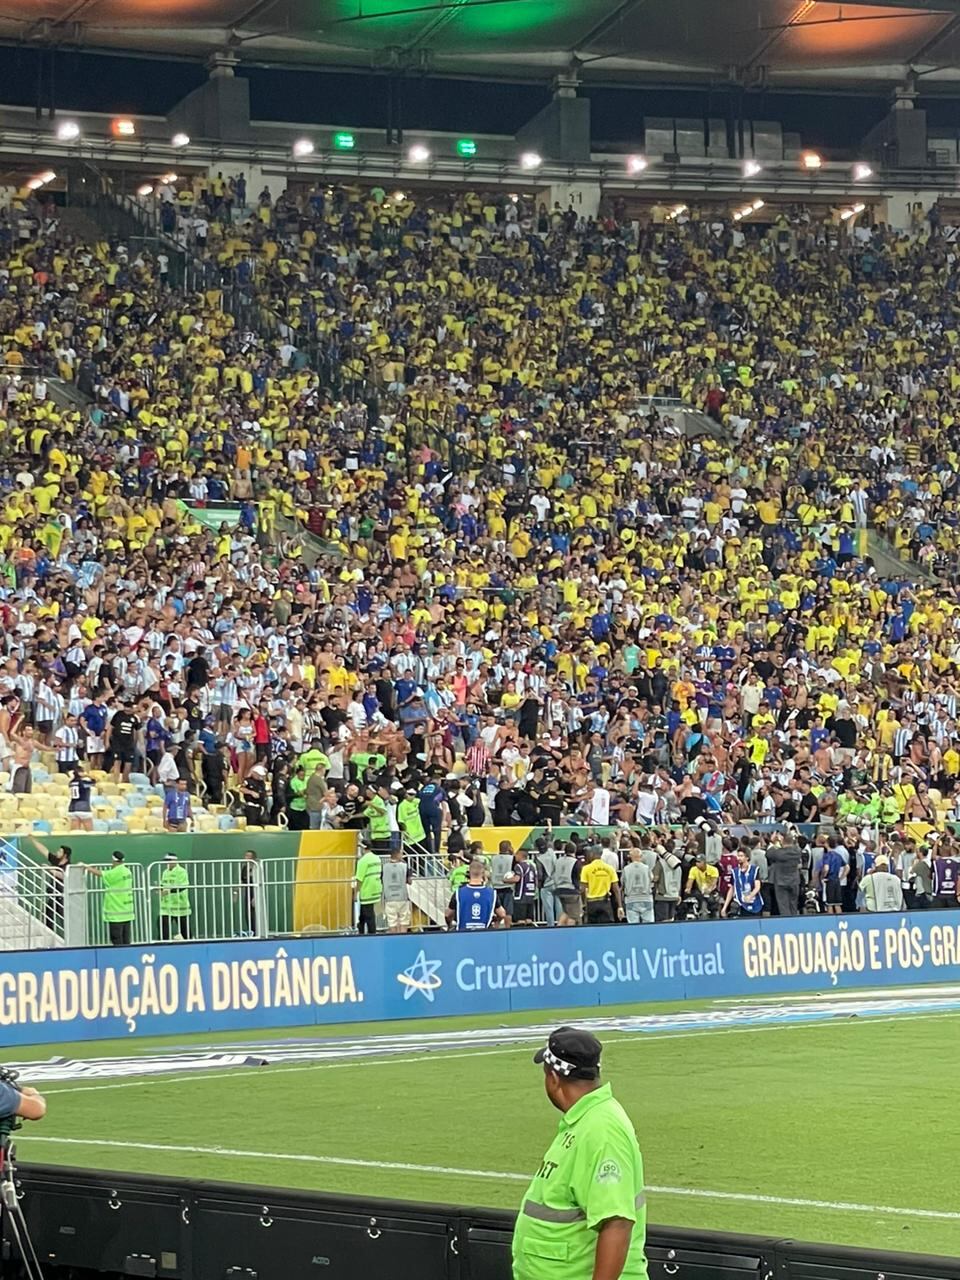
x=118 y=908
x=174 y=900
x=586 y=1202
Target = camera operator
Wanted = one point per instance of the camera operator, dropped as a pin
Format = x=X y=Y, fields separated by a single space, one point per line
x=19 y=1101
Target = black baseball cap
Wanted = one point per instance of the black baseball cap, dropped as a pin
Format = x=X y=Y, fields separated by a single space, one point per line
x=571 y=1053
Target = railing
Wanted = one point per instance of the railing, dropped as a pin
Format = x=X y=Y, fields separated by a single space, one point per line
x=293 y=536
x=278 y=897
x=31 y=902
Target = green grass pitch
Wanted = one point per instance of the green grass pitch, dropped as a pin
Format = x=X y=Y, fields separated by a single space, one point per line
x=844 y=1131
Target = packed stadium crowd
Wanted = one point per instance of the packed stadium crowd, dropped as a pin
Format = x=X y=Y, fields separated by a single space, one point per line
x=532 y=595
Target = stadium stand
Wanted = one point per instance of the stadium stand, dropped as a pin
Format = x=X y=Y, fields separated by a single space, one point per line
x=599 y=523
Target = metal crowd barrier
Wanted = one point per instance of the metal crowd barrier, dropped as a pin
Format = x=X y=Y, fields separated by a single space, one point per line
x=31 y=903
x=276 y=897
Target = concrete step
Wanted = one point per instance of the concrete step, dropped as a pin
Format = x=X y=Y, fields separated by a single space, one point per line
x=22 y=931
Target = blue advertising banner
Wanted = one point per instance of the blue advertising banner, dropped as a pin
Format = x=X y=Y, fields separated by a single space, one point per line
x=50 y=996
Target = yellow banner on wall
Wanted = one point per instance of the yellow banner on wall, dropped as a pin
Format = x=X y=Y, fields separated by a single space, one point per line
x=490 y=837
x=323 y=895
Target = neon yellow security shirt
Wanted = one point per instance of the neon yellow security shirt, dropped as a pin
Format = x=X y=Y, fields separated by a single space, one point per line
x=592 y=1172
x=370 y=877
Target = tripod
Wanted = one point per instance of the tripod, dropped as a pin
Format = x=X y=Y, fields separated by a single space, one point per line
x=11 y=1213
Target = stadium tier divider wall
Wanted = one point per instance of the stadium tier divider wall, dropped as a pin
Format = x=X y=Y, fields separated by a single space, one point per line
x=85 y=1223
x=323 y=860
x=100 y=993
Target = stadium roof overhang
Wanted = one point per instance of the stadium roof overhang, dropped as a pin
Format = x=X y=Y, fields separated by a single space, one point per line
x=787 y=43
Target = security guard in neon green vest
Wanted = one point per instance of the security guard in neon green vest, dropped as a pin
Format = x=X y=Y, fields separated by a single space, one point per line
x=584 y=1214
x=408 y=816
x=377 y=813
x=369 y=887
x=117 y=906
x=458 y=872
x=174 y=900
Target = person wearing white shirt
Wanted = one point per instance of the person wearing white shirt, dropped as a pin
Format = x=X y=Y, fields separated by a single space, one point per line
x=600 y=807
x=167 y=771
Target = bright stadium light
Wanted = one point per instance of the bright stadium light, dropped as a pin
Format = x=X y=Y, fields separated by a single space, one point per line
x=530 y=160
x=180 y=140
x=636 y=164
x=811 y=160
x=168 y=179
x=41 y=180
x=861 y=172
x=145 y=190
x=751 y=168
x=757 y=204
x=418 y=153
x=124 y=128
x=68 y=131
x=302 y=147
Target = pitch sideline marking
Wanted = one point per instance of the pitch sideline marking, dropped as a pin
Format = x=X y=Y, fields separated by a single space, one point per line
x=402 y=1167
x=242 y=1073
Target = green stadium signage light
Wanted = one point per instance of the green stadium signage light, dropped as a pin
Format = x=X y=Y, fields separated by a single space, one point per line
x=344 y=141
x=466 y=147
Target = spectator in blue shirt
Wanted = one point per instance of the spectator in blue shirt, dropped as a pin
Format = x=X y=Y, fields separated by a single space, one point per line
x=831 y=878
x=176 y=806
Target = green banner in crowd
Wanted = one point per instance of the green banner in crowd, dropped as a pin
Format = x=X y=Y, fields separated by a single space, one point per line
x=211 y=517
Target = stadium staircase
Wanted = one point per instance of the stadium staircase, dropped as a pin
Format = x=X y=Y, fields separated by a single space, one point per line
x=429 y=896
x=77 y=222
x=23 y=899
x=890 y=564
x=66 y=395
x=291 y=536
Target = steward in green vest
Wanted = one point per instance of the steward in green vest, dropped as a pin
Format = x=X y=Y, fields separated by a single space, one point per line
x=585 y=1211
x=459 y=871
x=369 y=886
x=375 y=812
x=312 y=757
x=117 y=907
x=174 y=901
x=408 y=816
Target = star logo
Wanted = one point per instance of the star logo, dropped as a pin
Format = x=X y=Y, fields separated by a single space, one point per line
x=423 y=976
